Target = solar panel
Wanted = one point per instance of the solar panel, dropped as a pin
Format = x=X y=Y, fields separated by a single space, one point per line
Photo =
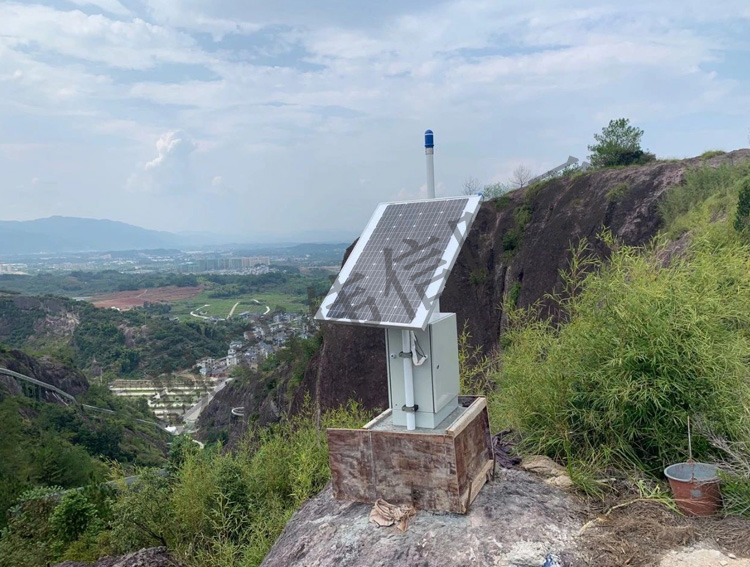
x=400 y=264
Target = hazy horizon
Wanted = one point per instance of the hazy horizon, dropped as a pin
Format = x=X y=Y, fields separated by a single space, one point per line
x=241 y=117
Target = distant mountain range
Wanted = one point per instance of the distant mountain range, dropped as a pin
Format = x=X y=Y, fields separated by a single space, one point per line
x=54 y=235
x=70 y=234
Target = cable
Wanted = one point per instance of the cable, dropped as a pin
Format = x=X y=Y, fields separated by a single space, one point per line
x=417 y=354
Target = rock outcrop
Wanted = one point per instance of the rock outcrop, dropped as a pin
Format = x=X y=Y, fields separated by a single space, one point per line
x=63 y=376
x=515 y=521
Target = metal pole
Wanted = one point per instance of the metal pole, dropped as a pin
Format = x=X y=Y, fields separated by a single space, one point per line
x=411 y=422
x=429 y=151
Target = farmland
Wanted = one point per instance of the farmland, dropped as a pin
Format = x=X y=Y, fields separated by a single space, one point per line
x=124 y=300
x=202 y=301
x=205 y=305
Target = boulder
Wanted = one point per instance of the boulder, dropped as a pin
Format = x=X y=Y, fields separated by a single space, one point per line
x=516 y=521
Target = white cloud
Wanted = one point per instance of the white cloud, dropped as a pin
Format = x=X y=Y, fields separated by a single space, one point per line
x=171 y=147
x=112 y=6
x=196 y=15
x=296 y=102
x=169 y=171
x=219 y=187
x=134 y=44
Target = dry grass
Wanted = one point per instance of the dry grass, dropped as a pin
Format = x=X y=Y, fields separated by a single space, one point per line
x=638 y=535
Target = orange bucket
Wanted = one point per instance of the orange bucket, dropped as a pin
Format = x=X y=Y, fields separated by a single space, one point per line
x=695 y=487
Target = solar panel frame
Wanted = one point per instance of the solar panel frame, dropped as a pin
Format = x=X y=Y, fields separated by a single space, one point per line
x=371 y=244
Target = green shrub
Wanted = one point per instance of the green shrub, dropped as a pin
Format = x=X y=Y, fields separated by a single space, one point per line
x=475 y=367
x=514 y=293
x=712 y=153
x=735 y=470
x=225 y=509
x=645 y=346
x=141 y=513
x=522 y=216
x=502 y=202
x=495 y=191
x=742 y=215
x=618 y=192
x=29 y=540
x=700 y=185
x=479 y=276
x=619 y=144
x=511 y=239
x=72 y=516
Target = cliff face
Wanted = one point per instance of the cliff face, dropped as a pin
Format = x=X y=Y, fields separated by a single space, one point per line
x=518 y=245
x=65 y=377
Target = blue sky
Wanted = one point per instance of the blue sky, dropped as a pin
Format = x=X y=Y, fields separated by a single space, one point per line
x=269 y=118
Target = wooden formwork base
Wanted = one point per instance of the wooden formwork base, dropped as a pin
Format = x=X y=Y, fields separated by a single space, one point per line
x=441 y=470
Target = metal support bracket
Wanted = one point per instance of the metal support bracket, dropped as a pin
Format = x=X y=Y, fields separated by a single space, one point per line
x=404 y=354
x=410 y=409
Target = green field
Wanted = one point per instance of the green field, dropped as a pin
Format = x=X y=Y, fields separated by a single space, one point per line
x=220 y=307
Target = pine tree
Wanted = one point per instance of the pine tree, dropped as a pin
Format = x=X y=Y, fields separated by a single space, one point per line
x=618 y=144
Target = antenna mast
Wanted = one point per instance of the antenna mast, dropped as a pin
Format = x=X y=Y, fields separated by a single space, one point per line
x=429 y=151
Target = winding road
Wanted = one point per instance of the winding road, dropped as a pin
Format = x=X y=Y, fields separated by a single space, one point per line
x=200 y=316
x=70 y=397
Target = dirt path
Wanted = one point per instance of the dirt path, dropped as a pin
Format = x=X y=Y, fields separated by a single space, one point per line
x=231 y=311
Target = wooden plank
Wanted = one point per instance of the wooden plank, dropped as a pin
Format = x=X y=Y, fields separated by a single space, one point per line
x=431 y=471
x=415 y=470
x=350 y=459
x=419 y=435
x=467 y=417
x=473 y=449
x=372 y=423
x=472 y=491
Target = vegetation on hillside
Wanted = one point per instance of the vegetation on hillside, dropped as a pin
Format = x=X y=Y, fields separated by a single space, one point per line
x=49 y=445
x=209 y=507
x=83 y=283
x=80 y=282
x=129 y=343
x=278 y=378
x=650 y=338
x=139 y=342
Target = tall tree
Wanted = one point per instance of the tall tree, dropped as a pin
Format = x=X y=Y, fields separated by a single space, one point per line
x=618 y=144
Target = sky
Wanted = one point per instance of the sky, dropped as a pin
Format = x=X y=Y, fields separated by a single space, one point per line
x=292 y=117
